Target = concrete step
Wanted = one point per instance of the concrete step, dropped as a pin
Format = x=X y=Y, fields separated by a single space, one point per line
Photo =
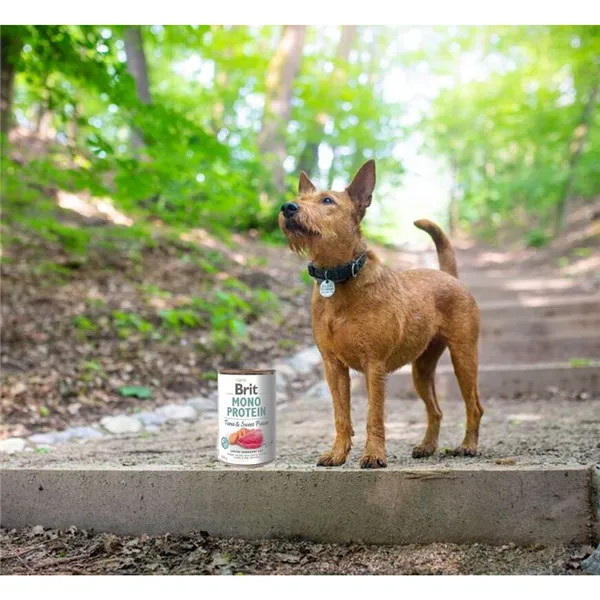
x=498 y=289
x=518 y=281
x=521 y=349
x=539 y=327
x=501 y=381
x=496 y=505
x=486 y=294
x=542 y=307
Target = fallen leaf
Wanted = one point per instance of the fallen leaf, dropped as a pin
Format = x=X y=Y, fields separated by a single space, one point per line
x=18 y=388
x=288 y=558
x=137 y=391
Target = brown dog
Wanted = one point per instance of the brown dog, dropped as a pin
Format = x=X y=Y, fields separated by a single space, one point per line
x=374 y=320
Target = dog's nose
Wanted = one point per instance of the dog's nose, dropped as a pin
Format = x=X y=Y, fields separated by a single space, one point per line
x=289 y=209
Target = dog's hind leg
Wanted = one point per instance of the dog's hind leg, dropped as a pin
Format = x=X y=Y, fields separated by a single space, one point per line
x=465 y=361
x=423 y=373
x=338 y=380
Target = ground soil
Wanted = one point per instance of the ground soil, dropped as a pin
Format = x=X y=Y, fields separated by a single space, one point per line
x=60 y=372
x=52 y=552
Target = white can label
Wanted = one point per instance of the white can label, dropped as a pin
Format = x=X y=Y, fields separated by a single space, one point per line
x=246 y=418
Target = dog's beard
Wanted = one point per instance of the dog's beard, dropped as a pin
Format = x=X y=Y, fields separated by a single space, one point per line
x=300 y=234
x=295 y=227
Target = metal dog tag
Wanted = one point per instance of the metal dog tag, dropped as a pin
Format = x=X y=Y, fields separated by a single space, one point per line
x=327 y=288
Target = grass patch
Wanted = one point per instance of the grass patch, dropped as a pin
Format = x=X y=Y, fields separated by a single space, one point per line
x=209 y=376
x=179 y=318
x=305 y=277
x=285 y=344
x=127 y=323
x=84 y=324
x=581 y=362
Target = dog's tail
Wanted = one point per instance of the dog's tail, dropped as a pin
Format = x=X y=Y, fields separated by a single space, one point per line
x=444 y=249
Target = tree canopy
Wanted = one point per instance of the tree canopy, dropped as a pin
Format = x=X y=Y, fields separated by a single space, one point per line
x=212 y=124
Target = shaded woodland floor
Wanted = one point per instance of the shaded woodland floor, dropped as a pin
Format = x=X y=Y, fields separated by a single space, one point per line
x=53 y=552
x=135 y=321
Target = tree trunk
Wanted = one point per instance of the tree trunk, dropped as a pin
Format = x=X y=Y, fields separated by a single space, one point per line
x=282 y=71
x=10 y=50
x=73 y=128
x=578 y=143
x=343 y=50
x=223 y=104
x=43 y=125
x=332 y=169
x=138 y=68
x=309 y=159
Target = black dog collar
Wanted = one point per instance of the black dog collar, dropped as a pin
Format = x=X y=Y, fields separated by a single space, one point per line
x=341 y=273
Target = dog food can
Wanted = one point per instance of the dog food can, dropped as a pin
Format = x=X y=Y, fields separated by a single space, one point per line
x=246 y=416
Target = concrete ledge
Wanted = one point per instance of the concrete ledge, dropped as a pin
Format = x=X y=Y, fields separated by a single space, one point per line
x=496 y=505
x=502 y=381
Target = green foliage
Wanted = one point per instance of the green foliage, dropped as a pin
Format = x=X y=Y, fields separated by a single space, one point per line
x=136 y=391
x=127 y=323
x=73 y=240
x=580 y=362
x=582 y=252
x=264 y=301
x=305 y=277
x=209 y=376
x=225 y=321
x=90 y=369
x=177 y=318
x=286 y=344
x=153 y=290
x=50 y=268
x=509 y=133
x=84 y=324
x=537 y=238
x=509 y=110
x=199 y=164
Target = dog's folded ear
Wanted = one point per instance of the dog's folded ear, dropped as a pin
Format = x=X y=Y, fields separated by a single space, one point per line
x=305 y=185
x=362 y=186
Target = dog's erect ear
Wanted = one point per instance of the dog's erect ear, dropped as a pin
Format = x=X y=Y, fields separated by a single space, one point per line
x=362 y=186
x=305 y=185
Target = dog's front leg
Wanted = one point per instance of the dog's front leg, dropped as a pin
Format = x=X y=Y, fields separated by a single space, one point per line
x=374 y=453
x=338 y=380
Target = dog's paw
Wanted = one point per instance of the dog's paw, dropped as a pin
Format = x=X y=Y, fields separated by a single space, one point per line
x=423 y=450
x=464 y=451
x=330 y=459
x=373 y=461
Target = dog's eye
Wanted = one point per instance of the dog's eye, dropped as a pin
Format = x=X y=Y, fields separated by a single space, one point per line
x=327 y=200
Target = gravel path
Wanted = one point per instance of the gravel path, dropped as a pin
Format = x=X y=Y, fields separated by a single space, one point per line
x=521 y=432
